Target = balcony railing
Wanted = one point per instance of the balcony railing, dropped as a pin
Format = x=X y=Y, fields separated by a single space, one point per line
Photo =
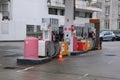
x=57 y=3
x=79 y=4
x=79 y=20
x=84 y=4
x=95 y=4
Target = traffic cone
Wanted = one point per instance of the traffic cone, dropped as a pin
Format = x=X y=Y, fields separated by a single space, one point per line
x=60 y=57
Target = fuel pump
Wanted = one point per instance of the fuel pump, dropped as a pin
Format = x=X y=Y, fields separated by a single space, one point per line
x=98 y=43
x=49 y=46
x=55 y=41
x=43 y=44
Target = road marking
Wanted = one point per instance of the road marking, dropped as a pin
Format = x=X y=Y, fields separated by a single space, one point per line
x=28 y=68
x=85 y=75
x=110 y=62
x=25 y=69
x=18 y=70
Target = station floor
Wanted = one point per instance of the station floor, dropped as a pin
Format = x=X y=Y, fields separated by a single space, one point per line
x=94 y=65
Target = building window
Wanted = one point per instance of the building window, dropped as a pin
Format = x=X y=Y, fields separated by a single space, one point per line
x=38 y=28
x=119 y=10
x=88 y=15
x=33 y=30
x=53 y=11
x=107 y=24
x=107 y=0
x=107 y=10
x=79 y=14
x=83 y=14
x=62 y=12
x=63 y=1
x=4 y=28
x=48 y=1
x=4 y=10
x=30 y=28
x=119 y=24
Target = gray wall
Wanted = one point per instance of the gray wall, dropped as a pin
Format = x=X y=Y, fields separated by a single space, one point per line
x=113 y=17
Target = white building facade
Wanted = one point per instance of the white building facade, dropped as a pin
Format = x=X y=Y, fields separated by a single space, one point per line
x=110 y=15
x=19 y=17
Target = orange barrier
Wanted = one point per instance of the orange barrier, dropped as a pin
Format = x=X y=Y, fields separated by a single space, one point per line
x=64 y=48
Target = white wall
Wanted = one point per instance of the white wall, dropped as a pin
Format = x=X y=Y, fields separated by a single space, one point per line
x=6 y=30
x=23 y=12
x=30 y=11
x=9 y=30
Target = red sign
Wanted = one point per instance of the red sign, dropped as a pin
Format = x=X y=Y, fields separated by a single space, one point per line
x=65 y=29
x=69 y=29
x=72 y=28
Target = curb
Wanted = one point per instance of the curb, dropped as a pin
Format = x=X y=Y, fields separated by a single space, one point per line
x=23 y=61
x=75 y=53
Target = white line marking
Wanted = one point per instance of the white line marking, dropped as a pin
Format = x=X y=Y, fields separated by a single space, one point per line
x=25 y=69
x=18 y=70
x=110 y=62
x=85 y=75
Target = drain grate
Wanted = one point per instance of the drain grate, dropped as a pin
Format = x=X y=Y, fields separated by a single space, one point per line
x=110 y=55
x=9 y=67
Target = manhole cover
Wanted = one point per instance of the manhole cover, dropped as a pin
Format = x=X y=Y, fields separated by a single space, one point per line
x=110 y=55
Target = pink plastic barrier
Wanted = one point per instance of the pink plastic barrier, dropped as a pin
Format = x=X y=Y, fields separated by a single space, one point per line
x=31 y=48
x=75 y=45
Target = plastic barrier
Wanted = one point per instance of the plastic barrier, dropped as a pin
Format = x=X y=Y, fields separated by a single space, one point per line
x=31 y=48
x=64 y=48
x=89 y=44
x=75 y=45
x=81 y=46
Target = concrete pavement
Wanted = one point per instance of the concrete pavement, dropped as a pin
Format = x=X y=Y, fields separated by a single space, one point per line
x=95 y=65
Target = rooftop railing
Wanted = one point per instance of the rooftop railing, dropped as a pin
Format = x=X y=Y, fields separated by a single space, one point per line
x=79 y=3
